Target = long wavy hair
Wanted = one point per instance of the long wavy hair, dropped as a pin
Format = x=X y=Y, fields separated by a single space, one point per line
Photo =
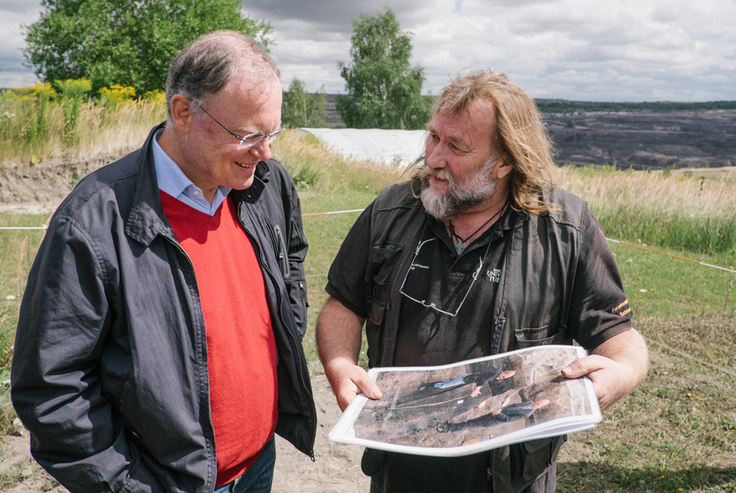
x=518 y=133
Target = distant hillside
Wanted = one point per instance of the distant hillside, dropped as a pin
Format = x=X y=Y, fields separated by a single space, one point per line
x=642 y=140
x=564 y=106
x=632 y=135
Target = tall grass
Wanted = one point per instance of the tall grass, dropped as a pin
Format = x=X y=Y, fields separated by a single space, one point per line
x=35 y=126
x=677 y=212
x=17 y=251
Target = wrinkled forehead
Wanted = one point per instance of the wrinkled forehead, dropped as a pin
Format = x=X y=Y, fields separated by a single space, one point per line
x=455 y=106
x=253 y=88
x=475 y=119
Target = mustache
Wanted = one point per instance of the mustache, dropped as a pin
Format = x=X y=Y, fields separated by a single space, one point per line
x=438 y=173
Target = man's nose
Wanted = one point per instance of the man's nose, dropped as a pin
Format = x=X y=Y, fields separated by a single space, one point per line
x=434 y=158
x=262 y=150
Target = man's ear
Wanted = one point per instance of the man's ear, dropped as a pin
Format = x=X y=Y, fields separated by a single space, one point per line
x=504 y=168
x=182 y=115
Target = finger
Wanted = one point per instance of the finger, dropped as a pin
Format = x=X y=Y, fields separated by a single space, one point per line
x=582 y=366
x=355 y=382
x=344 y=398
x=367 y=386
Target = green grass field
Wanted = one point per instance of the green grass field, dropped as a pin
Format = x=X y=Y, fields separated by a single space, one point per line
x=676 y=432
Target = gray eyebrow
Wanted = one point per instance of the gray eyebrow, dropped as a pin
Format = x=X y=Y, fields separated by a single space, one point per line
x=458 y=141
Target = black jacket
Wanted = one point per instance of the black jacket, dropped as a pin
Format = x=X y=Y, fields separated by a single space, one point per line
x=110 y=366
x=545 y=275
x=283 y=211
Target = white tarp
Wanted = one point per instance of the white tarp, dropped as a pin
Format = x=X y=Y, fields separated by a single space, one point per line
x=397 y=147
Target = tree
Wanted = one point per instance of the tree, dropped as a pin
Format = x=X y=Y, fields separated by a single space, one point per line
x=303 y=109
x=126 y=42
x=384 y=91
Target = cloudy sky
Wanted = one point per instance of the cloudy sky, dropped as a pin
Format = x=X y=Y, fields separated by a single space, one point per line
x=589 y=50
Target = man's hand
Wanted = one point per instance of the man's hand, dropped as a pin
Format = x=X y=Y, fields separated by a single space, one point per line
x=615 y=367
x=348 y=380
x=605 y=374
x=338 y=341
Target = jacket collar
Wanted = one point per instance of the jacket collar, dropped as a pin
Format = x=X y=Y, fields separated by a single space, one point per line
x=263 y=171
x=250 y=194
x=147 y=219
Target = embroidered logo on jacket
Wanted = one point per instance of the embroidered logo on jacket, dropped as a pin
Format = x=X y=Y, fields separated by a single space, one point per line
x=623 y=309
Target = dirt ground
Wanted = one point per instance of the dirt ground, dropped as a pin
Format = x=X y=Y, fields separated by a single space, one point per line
x=335 y=470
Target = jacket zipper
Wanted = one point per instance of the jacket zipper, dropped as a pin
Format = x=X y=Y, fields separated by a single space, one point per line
x=295 y=344
x=176 y=244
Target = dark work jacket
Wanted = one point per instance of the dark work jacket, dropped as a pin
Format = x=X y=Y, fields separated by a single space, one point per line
x=531 y=306
x=283 y=212
x=110 y=366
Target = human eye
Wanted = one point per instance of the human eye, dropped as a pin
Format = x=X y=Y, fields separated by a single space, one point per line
x=456 y=148
x=276 y=133
x=253 y=139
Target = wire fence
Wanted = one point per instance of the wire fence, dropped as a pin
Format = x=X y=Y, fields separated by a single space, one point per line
x=328 y=213
x=689 y=356
x=609 y=239
x=9 y=228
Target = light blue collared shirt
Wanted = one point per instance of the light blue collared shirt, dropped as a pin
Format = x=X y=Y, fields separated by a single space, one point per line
x=172 y=180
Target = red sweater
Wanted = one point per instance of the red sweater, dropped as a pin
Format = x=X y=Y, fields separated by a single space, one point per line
x=241 y=350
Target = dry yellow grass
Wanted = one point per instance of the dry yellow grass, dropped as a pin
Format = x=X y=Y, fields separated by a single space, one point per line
x=684 y=213
x=655 y=191
x=105 y=132
x=100 y=131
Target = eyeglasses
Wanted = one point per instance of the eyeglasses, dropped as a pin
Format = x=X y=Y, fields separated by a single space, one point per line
x=249 y=140
x=414 y=266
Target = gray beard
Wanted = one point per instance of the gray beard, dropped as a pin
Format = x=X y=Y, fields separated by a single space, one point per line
x=460 y=196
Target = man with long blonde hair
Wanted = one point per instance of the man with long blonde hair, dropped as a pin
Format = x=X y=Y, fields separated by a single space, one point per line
x=517 y=131
x=477 y=254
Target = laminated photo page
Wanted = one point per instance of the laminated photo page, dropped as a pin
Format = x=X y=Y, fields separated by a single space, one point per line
x=472 y=406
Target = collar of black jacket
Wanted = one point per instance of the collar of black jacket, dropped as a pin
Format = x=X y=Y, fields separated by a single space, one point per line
x=252 y=193
x=263 y=171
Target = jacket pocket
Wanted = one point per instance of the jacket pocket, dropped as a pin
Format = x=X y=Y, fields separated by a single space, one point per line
x=538 y=336
x=530 y=460
x=298 y=298
x=381 y=264
x=372 y=461
x=282 y=256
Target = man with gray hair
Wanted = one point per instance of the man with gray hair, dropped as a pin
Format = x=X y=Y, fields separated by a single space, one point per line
x=156 y=348
x=476 y=254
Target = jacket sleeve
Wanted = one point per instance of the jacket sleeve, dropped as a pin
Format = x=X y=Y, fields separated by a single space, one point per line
x=56 y=375
x=599 y=309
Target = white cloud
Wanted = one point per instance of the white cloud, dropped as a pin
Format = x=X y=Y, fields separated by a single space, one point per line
x=14 y=13
x=607 y=50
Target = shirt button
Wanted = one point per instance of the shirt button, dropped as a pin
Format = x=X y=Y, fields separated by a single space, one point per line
x=196 y=193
